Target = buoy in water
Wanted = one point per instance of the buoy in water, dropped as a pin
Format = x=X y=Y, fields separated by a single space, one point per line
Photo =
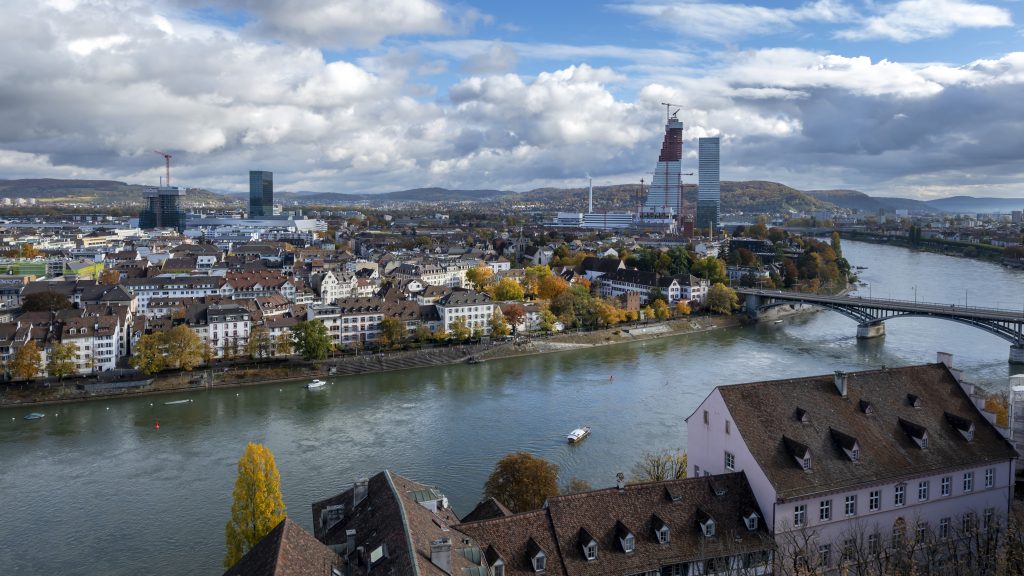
x=157 y=425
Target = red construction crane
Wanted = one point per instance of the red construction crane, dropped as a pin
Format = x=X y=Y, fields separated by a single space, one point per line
x=167 y=161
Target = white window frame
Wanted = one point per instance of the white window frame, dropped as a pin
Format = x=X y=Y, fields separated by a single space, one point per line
x=899 y=495
x=990 y=477
x=944 y=528
x=825 y=510
x=730 y=460
x=850 y=505
x=923 y=490
x=946 y=486
x=968 y=482
x=874 y=500
x=591 y=551
x=799 y=515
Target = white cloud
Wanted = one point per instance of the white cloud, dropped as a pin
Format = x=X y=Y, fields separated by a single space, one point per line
x=723 y=21
x=909 y=20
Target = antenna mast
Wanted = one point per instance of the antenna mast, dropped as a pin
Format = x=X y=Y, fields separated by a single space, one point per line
x=167 y=161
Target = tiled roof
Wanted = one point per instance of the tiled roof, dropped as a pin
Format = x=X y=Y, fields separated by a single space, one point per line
x=763 y=414
x=515 y=539
x=287 y=550
x=487 y=509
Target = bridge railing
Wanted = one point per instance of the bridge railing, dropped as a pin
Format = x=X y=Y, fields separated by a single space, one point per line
x=869 y=300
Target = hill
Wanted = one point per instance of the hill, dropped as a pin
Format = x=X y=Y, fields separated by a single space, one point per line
x=93 y=192
x=970 y=204
x=856 y=200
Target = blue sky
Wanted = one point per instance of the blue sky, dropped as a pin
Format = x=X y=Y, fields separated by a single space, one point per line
x=916 y=98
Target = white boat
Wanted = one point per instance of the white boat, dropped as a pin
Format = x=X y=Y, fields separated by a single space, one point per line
x=315 y=384
x=186 y=401
x=578 y=434
x=34 y=416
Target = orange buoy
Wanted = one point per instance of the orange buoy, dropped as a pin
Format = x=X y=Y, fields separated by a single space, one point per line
x=157 y=425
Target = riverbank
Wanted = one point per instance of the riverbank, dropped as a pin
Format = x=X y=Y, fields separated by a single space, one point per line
x=297 y=370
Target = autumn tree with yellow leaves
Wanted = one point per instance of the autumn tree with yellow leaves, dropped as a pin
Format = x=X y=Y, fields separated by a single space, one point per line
x=256 y=506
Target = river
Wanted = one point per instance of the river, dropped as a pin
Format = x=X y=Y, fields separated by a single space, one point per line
x=93 y=488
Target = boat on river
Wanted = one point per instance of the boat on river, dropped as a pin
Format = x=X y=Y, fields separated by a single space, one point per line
x=34 y=416
x=316 y=384
x=578 y=434
x=172 y=402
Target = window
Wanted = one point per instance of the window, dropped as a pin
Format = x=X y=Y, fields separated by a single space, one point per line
x=990 y=477
x=922 y=531
x=590 y=551
x=850 y=506
x=728 y=426
x=825 y=554
x=989 y=515
x=730 y=461
x=707 y=420
x=855 y=455
x=752 y=522
x=709 y=528
x=874 y=500
x=968 y=522
x=944 y=528
x=898 y=534
x=806 y=462
x=944 y=488
x=799 y=515
x=849 y=549
x=874 y=544
x=968 y=481
x=663 y=535
x=628 y=543
x=696 y=471
x=900 y=495
x=540 y=562
x=922 y=490
x=825 y=510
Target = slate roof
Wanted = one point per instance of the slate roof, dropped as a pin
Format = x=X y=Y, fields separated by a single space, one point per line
x=515 y=539
x=762 y=413
x=486 y=509
x=287 y=550
x=631 y=276
x=460 y=297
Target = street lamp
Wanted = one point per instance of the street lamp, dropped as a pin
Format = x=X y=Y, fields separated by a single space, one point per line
x=915 y=294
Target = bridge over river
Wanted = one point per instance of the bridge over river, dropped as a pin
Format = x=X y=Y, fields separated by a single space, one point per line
x=871 y=313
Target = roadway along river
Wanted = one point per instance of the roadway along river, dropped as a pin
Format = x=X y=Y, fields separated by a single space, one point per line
x=93 y=489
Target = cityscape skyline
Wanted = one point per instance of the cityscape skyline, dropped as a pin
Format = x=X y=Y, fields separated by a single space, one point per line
x=903 y=98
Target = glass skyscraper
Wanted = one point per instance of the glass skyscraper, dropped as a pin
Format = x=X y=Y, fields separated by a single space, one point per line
x=164 y=209
x=261 y=193
x=709 y=191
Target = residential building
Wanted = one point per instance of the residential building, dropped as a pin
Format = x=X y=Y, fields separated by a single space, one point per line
x=870 y=455
x=475 y=308
x=350 y=321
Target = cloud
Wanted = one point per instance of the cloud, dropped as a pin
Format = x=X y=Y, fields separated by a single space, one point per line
x=724 y=21
x=497 y=58
x=909 y=20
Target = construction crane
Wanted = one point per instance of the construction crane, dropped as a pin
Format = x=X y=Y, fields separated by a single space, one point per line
x=668 y=110
x=167 y=161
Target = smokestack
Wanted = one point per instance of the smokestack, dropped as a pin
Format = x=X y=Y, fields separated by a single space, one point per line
x=840 y=381
x=350 y=541
x=441 y=554
x=591 y=210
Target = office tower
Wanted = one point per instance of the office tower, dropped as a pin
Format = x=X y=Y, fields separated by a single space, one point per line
x=164 y=209
x=709 y=192
x=261 y=194
x=663 y=194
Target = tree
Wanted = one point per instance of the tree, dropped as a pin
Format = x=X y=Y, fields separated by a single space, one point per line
x=110 y=276
x=392 y=332
x=499 y=327
x=575 y=486
x=184 y=348
x=256 y=503
x=46 y=301
x=550 y=286
x=479 y=275
x=149 y=354
x=712 y=269
x=25 y=250
x=311 y=339
x=837 y=245
x=460 y=331
x=257 y=346
x=514 y=314
x=648 y=312
x=27 y=361
x=547 y=321
x=522 y=481
x=507 y=289
x=657 y=466
x=283 y=345
x=441 y=335
x=61 y=360
x=423 y=333
x=661 y=311
x=722 y=299
x=683 y=308
x=533 y=275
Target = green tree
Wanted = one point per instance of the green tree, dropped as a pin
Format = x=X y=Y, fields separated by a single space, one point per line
x=27 y=361
x=423 y=333
x=283 y=345
x=61 y=361
x=258 y=345
x=256 y=503
x=45 y=302
x=479 y=275
x=522 y=481
x=547 y=321
x=392 y=332
x=712 y=269
x=837 y=245
x=499 y=327
x=658 y=466
x=508 y=289
x=311 y=339
x=722 y=299
x=441 y=335
x=184 y=348
x=149 y=354
x=661 y=311
x=460 y=331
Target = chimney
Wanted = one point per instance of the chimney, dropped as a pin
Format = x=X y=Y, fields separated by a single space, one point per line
x=591 y=210
x=620 y=481
x=359 y=491
x=350 y=541
x=946 y=358
x=841 y=382
x=441 y=554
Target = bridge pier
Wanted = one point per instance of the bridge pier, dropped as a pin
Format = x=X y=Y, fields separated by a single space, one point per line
x=871 y=329
x=1017 y=354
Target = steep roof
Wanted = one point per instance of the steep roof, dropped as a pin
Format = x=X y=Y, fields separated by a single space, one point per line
x=287 y=550
x=762 y=412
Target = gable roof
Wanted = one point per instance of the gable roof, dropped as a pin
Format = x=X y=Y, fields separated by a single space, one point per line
x=287 y=550
x=760 y=412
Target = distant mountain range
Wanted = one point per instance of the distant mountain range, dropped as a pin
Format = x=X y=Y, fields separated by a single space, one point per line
x=748 y=197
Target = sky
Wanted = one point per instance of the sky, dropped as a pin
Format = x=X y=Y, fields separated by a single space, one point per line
x=913 y=98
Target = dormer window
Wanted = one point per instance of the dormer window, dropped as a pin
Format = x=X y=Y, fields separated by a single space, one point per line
x=847 y=443
x=590 y=551
x=751 y=521
x=964 y=426
x=866 y=407
x=708 y=528
x=913 y=400
x=806 y=462
x=663 y=536
x=498 y=569
x=801 y=416
x=628 y=543
x=540 y=562
x=798 y=451
x=916 y=432
x=588 y=544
